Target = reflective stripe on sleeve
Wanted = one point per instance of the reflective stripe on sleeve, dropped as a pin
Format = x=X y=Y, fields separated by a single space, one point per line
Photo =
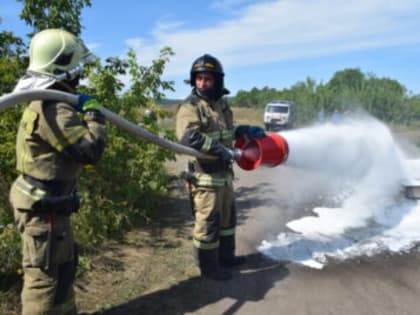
x=31 y=191
x=75 y=134
x=207 y=144
x=96 y=128
x=224 y=134
x=71 y=136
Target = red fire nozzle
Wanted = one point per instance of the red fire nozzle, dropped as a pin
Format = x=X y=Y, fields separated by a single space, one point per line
x=270 y=150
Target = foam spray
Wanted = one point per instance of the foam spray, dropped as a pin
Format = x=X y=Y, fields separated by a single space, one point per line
x=370 y=215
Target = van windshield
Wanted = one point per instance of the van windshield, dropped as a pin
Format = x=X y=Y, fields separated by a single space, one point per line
x=277 y=109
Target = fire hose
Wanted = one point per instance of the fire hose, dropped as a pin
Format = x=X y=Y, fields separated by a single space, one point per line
x=11 y=99
x=270 y=150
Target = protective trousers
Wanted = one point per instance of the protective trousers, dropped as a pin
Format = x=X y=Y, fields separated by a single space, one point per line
x=48 y=286
x=49 y=292
x=49 y=257
x=215 y=219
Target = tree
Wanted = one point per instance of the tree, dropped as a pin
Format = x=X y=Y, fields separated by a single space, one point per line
x=12 y=60
x=12 y=66
x=348 y=89
x=65 y=14
x=347 y=79
x=385 y=98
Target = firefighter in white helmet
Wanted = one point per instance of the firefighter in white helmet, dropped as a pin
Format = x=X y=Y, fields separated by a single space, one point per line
x=54 y=141
x=205 y=122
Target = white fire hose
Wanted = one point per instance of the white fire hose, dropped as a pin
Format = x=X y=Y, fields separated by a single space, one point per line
x=11 y=99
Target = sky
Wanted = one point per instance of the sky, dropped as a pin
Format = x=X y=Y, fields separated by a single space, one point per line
x=361 y=210
x=260 y=43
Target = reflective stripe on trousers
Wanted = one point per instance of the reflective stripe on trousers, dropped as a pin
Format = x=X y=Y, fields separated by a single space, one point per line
x=214 y=213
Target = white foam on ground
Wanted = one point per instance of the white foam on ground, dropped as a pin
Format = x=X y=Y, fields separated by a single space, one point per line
x=371 y=215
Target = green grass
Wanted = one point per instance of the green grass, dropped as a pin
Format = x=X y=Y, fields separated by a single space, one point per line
x=248 y=116
x=241 y=116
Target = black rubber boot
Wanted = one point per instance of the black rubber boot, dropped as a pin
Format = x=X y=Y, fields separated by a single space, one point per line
x=227 y=252
x=208 y=262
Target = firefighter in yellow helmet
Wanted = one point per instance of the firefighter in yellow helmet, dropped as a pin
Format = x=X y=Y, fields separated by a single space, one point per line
x=54 y=141
x=205 y=122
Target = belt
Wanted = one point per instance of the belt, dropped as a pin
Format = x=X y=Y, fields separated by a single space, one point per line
x=206 y=167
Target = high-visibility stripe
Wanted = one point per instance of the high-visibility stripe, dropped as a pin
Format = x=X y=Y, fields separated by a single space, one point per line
x=208 y=180
x=57 y=145
x=203 y=245
x=223 y=134
x=227 y=232
x=96 y=128
x=23 y=158
x=207 y=144
x=71 y=136
x=75 y=134
x=29 y=190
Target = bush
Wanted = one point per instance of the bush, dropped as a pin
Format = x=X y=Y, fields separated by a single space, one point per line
x=123 y=187
x=10 y=257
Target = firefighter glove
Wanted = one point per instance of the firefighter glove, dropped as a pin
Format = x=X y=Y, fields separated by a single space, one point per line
x=253 y=131
x=87 y=103
x=224 y=154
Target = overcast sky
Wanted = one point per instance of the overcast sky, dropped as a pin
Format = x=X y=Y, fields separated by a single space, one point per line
x=260 y=43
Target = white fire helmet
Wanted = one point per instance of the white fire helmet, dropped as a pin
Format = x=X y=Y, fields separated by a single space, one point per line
x=54 y=55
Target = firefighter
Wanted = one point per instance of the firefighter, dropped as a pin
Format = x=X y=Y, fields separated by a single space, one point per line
x=204 y=122
x=54 y=141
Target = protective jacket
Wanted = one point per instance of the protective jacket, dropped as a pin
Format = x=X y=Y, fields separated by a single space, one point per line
x=204 y=125
x=52 y=145
x=53 y=142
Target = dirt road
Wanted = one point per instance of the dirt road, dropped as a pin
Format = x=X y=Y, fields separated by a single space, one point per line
x=267 y=199
x=379 y=285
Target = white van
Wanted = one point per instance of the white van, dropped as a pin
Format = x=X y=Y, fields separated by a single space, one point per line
x=279 y=115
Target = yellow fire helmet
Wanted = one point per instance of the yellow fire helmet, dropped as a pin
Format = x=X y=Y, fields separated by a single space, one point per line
x=54 y=55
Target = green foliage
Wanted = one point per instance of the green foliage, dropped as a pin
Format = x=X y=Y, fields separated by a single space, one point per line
x=348 y=90
x=12 y=61
x=10 y=250
x=146 y=81
x=8 y=127
x=351 y=79
x=10 y=70
x=10 y=45
x=125 y=185
x=42 y=14
x=130 y=178
x=12 y=66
